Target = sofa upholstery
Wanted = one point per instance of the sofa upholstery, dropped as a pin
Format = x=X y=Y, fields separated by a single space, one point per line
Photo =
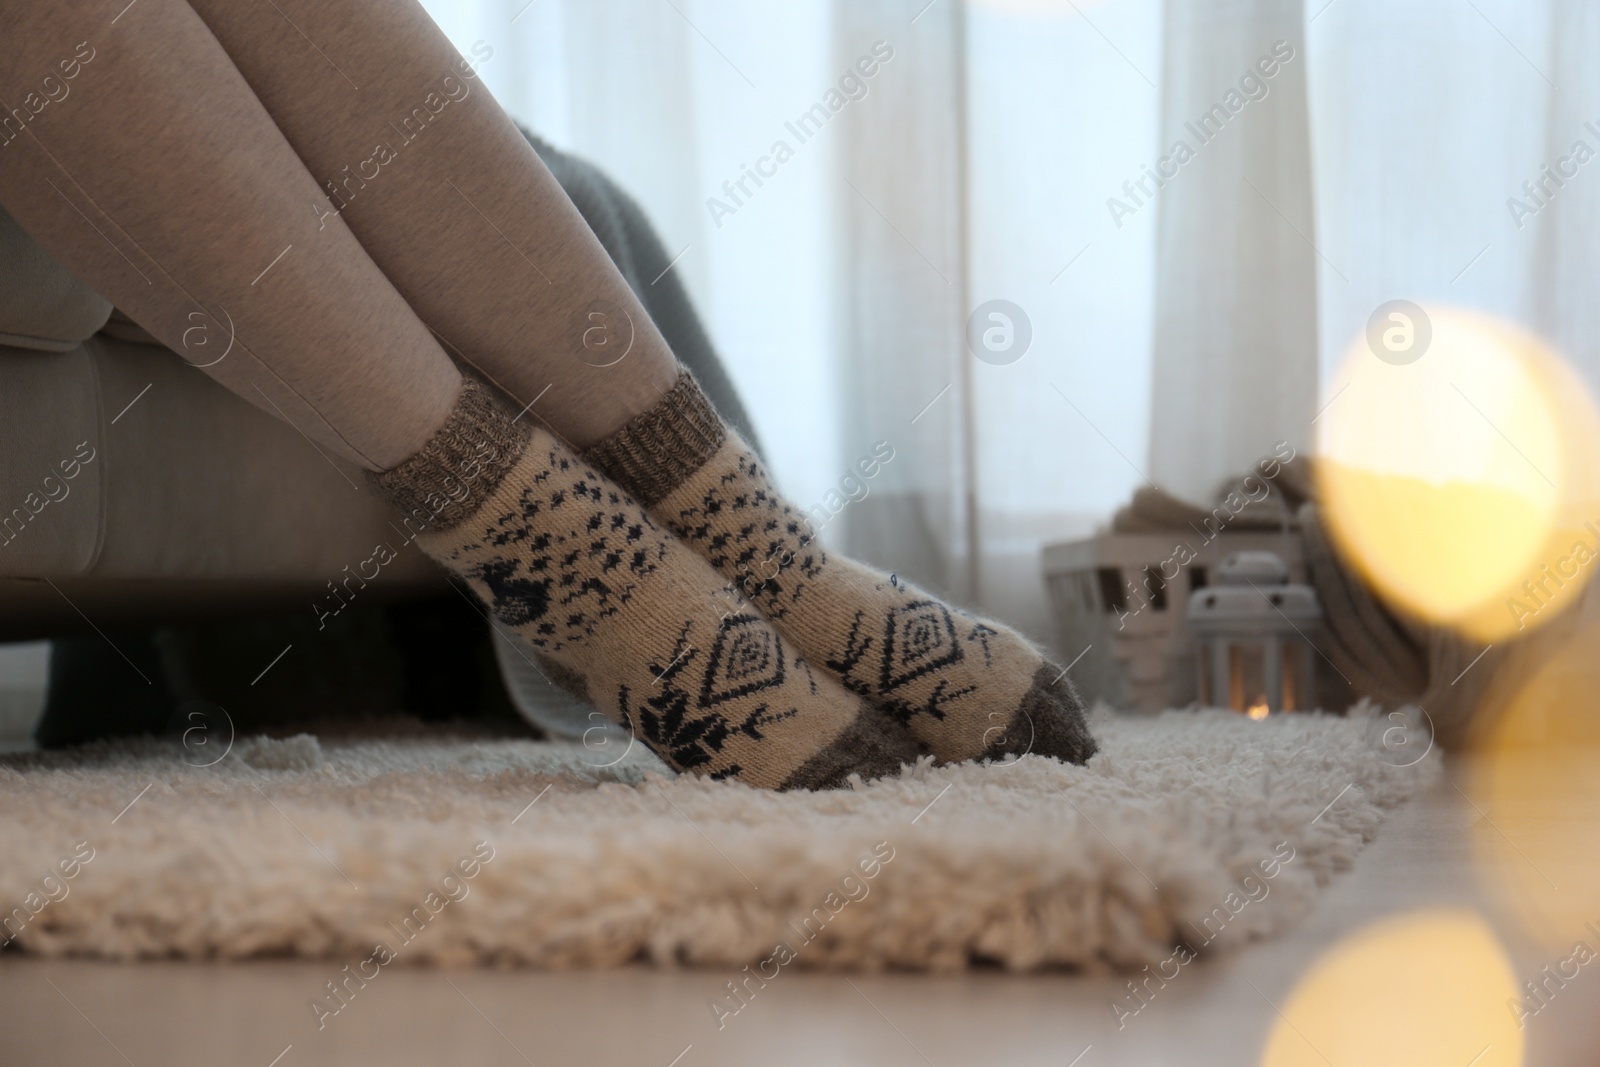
x=189 y=501
x=43 y=307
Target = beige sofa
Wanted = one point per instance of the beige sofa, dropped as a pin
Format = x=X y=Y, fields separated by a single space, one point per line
x=133 y=489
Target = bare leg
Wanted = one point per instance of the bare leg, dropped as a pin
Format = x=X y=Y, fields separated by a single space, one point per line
x=155 y=174
x=452 y=203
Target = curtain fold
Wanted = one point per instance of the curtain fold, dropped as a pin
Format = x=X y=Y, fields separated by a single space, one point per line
x=901 y=280
x=1427 y=116
x=1235 y=349
x=1566 y=254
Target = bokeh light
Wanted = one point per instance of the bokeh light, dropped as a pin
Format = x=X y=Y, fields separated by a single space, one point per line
x=1534 y=782
x=1460 y=480
x=1424 y=989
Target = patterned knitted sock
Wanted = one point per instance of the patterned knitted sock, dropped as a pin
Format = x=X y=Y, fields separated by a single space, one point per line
x=626 y=616
x=968 y=688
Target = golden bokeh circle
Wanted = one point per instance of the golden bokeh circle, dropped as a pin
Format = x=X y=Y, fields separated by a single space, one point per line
x=1534 y=785
x=1464 y=484
x=1422 y=989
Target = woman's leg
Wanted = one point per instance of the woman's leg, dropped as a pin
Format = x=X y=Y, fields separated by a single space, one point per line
x=132 y=149
x=136 y=153
x=462 y=216
x=452 y=203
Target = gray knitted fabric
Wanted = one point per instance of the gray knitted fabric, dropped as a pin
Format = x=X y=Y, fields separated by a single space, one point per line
x=460 y=467
x=1385 y=656
x=1397 y=660
x=653 y=453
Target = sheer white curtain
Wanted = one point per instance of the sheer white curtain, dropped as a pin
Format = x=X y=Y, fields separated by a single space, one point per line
x=1426 y=117
x=1062 y=108
x=1563 y=243
x=1425 y=120
x=672 y=99
x=1235 y=367
x=1177 y=332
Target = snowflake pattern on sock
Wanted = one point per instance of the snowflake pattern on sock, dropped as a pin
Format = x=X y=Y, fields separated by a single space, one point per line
x=633 y=618
x=965 y=686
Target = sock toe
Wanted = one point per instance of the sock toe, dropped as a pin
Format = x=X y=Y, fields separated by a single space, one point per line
x=873 y=746
x=1048 y=722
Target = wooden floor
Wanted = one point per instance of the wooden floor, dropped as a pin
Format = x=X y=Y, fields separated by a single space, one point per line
x=1219 y=1011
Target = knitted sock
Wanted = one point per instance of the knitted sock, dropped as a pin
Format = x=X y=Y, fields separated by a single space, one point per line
x=967 y=688
x=624 y=615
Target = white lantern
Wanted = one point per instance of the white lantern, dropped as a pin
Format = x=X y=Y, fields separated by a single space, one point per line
x=1252 y=633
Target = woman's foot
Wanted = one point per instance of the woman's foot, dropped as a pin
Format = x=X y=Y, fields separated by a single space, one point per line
x=627 y=616
x=966 y=687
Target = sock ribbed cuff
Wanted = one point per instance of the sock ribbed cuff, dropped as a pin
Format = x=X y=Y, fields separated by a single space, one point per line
x=461 y=465
x=655 y=452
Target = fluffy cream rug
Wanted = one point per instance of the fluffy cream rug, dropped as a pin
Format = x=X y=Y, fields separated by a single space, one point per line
x=1204 y=829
